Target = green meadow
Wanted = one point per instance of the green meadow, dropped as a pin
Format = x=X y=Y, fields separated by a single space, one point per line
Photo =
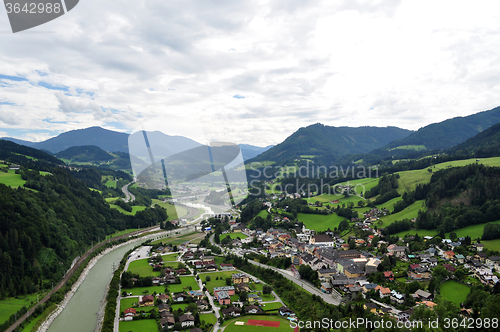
x=454 y=291
x=233 y=236
x=11 y=179
x=135 y=209
x=320 y=222
x=141 y=325
x=408 y=213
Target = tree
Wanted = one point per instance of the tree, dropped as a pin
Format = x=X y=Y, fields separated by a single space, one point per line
x=228 y=281
x=267 y=289
x=243 y=296
x=207 y=279
x=352 y=244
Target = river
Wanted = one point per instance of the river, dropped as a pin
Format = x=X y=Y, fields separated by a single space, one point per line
x=80 y=314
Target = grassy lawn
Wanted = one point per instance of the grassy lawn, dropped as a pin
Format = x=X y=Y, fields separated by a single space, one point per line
x=474 y=231
x=110 y=184
x=150 y=289
x=389 y=205
x=126 y=303
x=454 y=291
x=135 y=209
x=267 y=297
x=216 y=283
x=408 y=213
x=11 y=305
x=233 y=236
x=11 y=179
x=409 y=147
x=492 y=244
x=142 y=268
x=142 y=325
x=186 y=282
x=171 y=257
x=208 y=318
x=271 y=306
x=231 y=327
x=182 y=306
x=320 y=222
x=263 y=214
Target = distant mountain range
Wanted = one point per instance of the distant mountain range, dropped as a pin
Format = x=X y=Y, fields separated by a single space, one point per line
x=318 y=140
x=113 y=141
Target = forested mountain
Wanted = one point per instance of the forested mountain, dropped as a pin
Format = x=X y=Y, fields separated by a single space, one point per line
x=85 y=153
x=445 y=134
x=320 y=140
x=17 y=154
x=44 y=227
x=483 y=145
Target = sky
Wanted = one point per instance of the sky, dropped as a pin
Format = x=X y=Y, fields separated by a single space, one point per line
x=249 y=71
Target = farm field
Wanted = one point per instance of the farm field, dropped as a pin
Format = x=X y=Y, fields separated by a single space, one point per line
x=140 y=290
x=208 y=318
x=142 y=268
x=320 y=222
x=216 y=283
x=474 y=231
x=230 y=326
x=233 y=236
x=492 y=244
x=186 y=282
x=170 y=257
x=11 y=179
x=408 y=213
x=454 y=291
x=409 y=179
x=11 y=305
x=142 y=325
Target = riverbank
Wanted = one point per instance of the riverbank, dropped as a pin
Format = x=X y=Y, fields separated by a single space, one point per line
x=60 y=307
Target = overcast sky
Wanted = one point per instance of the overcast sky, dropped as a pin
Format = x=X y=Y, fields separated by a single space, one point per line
x=251 y=71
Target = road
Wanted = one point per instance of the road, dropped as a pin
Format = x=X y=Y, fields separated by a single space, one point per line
x=129 y=197
x=328 y=298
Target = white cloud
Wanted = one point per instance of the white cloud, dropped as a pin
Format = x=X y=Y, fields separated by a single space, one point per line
x=355 y=63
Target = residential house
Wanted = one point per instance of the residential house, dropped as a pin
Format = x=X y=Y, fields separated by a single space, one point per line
x=460 y=258
x=179 y=297
x=423 y=295
x=449 y=255
x=163 y=307
x=284 y=311
x=186 y=320
x=229 y=289
x=147 y=300
x=232 y=311
x=240 y=278
x=167 y=320
x=162 y=297
x=389 y=275
x=371 y=306
x=254 y=298
x=321 y=239
x=371 y=265
x=202 y=305
x=253 y=309
x=130 y=313
x=326 y=287
x=223 y=298
x=478 y=246
x=226 y=267
x=419 y=273
x=397 y=297
x=492 y=260
x=383 y=292
x=398 y=251
x=354 y=271
x=326 y=273
x=368 y=287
